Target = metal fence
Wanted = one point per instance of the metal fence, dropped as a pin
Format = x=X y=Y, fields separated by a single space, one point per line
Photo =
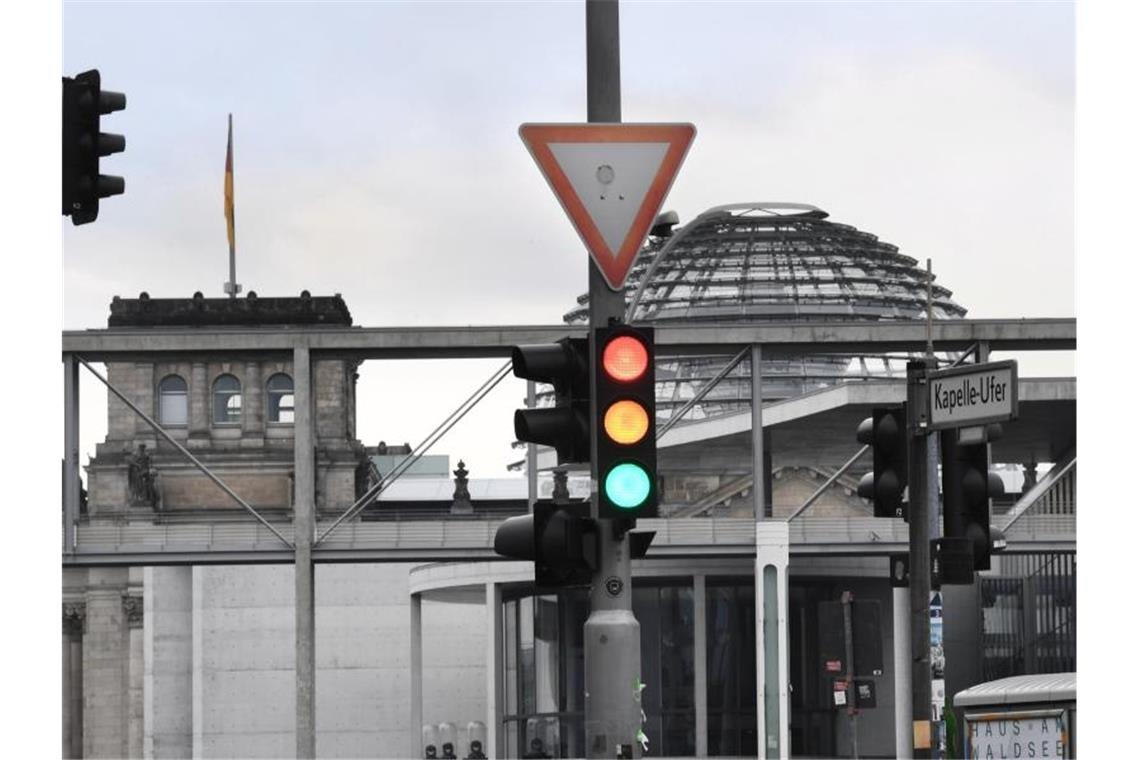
x=1029 y=615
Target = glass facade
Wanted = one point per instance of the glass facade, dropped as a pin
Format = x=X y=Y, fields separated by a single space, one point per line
x=773 y=263
x=730 y=622
x=545 y=673
x=665 y=613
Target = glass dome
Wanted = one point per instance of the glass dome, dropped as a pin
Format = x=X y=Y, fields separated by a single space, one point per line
x=771 y=262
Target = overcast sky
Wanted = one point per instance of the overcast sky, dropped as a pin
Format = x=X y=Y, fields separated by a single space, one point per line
x=377 y=156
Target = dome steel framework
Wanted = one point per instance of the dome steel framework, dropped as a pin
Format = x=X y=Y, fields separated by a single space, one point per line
x=771 y=262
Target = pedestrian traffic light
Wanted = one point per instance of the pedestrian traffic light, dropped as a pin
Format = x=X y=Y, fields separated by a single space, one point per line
x=561 y=539
x=967 y=488
x=885 y=432
x=566 y=425
x=625 y=426
x=84 y=103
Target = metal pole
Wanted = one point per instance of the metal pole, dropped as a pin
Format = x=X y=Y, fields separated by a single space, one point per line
x=234 y=288
x=304 y=525
x=70 y=451
x=929 y=311
x=849 y=656
x=612 y=635
x=531 y=454
x=919 y=556
x=761 y=509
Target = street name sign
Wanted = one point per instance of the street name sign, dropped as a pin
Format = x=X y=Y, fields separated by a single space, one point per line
x=973 y=394
x=611 y=180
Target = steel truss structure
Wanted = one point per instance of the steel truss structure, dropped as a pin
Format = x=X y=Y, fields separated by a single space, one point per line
x=151 y=544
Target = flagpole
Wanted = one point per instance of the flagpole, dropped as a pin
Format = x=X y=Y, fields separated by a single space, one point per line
x=231 y=287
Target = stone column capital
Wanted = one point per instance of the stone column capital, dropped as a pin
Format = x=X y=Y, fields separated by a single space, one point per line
x=74 y=618
x=133 y=607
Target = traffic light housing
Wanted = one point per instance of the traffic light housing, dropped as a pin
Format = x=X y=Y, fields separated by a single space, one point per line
x=84 y=103
x=625 y=425
x=967 y=488
x=561 y=539
x=566 y=425
x=885 y=432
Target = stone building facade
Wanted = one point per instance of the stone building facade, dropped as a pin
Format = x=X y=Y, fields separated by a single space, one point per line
x=128 y=688
x=234 y=415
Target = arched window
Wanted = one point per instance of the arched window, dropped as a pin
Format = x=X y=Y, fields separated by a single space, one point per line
x=279 y=395
x=227 y=400
x=172 y=400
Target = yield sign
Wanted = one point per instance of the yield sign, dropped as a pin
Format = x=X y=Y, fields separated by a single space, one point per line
x=611 y=179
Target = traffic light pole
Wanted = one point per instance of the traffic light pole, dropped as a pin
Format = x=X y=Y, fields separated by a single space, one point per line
x=612 y=634
x=920 y=510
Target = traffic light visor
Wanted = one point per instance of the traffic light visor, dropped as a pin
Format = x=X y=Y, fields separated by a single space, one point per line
x=626 y=422
x=625 y=358
x=627 y=485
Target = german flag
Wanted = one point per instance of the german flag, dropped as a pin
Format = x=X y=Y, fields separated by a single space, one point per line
x=229 y=210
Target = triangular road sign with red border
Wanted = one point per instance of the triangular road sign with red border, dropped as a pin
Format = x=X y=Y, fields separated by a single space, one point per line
x=611 y=179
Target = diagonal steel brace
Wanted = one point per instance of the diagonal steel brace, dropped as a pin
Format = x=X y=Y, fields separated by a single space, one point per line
x=194 y=460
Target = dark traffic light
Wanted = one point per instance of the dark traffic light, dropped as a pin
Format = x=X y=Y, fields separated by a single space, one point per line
x=84 y=102
x=885 y=432
x=559 y=538
x=566 y=425
x=625 y=428
x=967 y=488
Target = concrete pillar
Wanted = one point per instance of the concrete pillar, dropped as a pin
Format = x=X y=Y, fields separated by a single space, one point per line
x=773 y=711
x=773 y=718
x=133 y=608
x=416 y=660
x=105 y=658
x=900 y=599
x=74 y=615
x=700 y=666
x=494 y=658
x=167 y=632
x=304 y=525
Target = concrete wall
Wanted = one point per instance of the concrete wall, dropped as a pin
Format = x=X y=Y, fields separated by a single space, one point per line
x=218 y=652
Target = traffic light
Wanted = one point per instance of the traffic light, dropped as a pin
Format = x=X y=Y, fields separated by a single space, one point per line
x=967 y=488
x=885 y=432
x=560 y=538
x=625 y=428
x=84 y=102
x=566 y=425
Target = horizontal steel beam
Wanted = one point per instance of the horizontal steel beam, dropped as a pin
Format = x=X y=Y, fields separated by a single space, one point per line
x=142 y=558
x=127 y=344
x=472 y=540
